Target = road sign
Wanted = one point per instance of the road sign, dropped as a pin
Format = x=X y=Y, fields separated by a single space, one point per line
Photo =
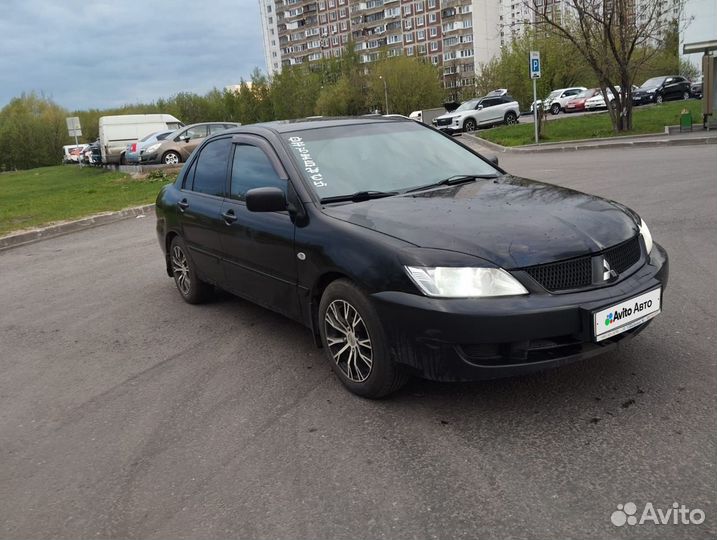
x=73 y=126
x=534 y=65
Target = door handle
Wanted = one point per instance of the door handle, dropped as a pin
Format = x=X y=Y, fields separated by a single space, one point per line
x=183 y=205
x=229 y=217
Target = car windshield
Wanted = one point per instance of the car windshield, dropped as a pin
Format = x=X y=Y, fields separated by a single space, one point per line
x=164 y=135
x=468 y=105
x=148 y=137
x=554 y=94
x=379 y=157
x=652 y=83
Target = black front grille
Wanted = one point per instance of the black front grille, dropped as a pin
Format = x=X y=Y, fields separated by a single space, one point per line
x=623 y=256
x=444 y=121
x=578 y=273
x=559 y=276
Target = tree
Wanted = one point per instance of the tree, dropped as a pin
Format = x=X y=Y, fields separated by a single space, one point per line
x=615 y=37
x=560 y=67
x=32 y=132
x=412 y=84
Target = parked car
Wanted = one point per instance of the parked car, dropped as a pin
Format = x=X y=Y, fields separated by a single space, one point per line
x=480 y=112
x=91 y=154
x=558 y=99
x=178 y=145
x=116 y=132
x=577 y=103
x=427 y=115
x=71 y=153
x=403 y=251
x=133 y=151
x=597 y=102
x=696 y=87
x=659 y=89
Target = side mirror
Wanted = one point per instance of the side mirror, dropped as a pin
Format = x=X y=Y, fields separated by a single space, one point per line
x=479 y=107
x=493 y=159
x=266 y=199
x=185 y=138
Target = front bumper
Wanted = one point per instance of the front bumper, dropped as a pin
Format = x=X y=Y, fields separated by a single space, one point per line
x=149 y=158
x=450 y=129
x=475 y=339
x=642 y=99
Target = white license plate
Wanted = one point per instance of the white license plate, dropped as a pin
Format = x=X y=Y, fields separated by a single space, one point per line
x=628 y=314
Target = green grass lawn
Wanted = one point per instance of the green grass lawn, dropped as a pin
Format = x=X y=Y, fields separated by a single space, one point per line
x=49 y=194
x=646 y=119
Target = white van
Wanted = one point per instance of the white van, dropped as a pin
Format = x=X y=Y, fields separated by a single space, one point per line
x=116 y=132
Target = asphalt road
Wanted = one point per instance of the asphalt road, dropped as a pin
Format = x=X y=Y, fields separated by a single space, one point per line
x=127 y=413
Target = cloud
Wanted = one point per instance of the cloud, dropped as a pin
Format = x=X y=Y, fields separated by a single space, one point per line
x=100 y=53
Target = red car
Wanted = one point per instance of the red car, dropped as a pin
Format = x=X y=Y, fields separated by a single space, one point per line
x=577 y=104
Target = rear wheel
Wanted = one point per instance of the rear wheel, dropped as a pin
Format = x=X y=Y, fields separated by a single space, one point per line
x=355 y=343
x=171 y=158
x=555 y=108
x=510 y=118
x=192 y=289
x=469 y=126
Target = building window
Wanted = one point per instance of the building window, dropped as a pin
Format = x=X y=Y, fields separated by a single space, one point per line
x=432 y=17
x=434 y=46
x=407 y=9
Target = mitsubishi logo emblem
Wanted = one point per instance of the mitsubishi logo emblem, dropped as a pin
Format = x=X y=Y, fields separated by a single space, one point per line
x=608 y=273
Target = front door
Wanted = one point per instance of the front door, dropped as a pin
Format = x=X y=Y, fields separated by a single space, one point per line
x=200 y=209
x=190 y=138
x=258 y=247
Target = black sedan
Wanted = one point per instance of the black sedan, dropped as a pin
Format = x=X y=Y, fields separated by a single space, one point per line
x=405 y=252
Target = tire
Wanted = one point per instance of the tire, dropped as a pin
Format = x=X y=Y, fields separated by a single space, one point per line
x=685 y=95
x=192 y=289
x=659 y=98
x=469 y=126
x=355 y=343
x=555 y=109
x=123 y=160
x=510 y=118
x=171 y=158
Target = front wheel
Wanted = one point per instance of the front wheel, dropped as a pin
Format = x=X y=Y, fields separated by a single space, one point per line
x=355 y=343
x=659 y=98
x=510 y=118
x=469 y=126
x=555 y=108
x=171 y=158
x=685 y=95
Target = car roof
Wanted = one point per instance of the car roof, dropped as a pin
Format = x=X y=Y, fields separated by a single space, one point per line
x=299 y=124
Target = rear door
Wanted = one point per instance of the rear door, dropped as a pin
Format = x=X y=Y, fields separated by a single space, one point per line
x=200 y=207
x=258 y=247
x=490 y=112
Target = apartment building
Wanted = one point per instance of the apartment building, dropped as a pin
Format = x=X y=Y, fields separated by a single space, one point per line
x=445 y=32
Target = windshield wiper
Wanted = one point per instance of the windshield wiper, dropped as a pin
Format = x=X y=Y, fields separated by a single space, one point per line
x=453 y=180
x=359 y=196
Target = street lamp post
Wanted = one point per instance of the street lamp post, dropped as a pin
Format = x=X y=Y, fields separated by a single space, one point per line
x=385 y=91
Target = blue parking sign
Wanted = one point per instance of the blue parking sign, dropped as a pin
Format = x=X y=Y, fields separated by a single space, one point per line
x=534 y=65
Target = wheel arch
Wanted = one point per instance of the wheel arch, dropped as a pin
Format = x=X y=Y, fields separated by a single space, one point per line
x=317 y=290
x=171 y=235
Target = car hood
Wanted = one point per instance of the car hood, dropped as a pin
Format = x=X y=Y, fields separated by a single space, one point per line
x=510 y=221
x=450 y=115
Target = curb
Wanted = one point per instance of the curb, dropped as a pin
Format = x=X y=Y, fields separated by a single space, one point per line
x=27 y=237
x=589 y=144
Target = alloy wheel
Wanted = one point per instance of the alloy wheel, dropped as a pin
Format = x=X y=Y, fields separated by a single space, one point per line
x=180 y=270
x=658 y=99
x=470 y=126
x=685 y=95
x=348 y=340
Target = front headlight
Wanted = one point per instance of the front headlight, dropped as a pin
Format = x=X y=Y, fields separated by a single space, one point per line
x=646 y=235
x=449 y=282
x=153 y=148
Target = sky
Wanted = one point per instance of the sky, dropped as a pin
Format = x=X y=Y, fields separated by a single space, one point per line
x=106 y=53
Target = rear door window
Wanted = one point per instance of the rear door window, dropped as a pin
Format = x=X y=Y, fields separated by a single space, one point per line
x=210 y=169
